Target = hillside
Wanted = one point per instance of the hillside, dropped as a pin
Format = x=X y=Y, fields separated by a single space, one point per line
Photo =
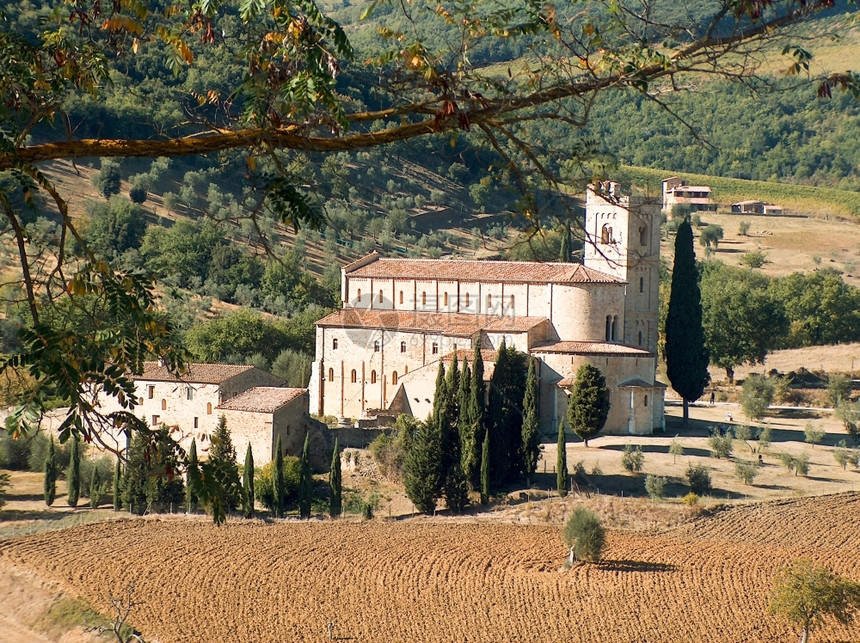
x=448 y=579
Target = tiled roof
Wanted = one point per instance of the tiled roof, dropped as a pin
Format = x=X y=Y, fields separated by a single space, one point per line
x=590 y=348
x=472 y=270
x=196 y=373
x=638 y=383
x=461 y=324
x=263 y=399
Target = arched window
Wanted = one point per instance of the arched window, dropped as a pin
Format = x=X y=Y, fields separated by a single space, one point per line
x=380 y=296
x=163 y=404
x=640 y=338
x=331 y=375
x=358 y=294
x=445 y=300
x=489 y=302
x=641 y=284
x=615 y=328
x=434 y=349
x=512 y=301
x=353 y=376
x=402 y=347
x=405 y=370
x=423 y=298
x=373 y=377
x=643 y=236
x=646 y=400
x=606 y=234
x=401 y=296
x=467 y=300
x=376 y=346
x=334 y=344
x=394 y=378
x=208 y=408
x=608 y=333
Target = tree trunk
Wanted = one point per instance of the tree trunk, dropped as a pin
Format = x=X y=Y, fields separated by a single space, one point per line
x=686 y=413
x=730 y=374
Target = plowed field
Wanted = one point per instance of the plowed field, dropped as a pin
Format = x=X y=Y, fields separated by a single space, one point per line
x=438 y=580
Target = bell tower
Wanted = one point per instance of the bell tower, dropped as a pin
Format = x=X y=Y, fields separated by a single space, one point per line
x=622 y=238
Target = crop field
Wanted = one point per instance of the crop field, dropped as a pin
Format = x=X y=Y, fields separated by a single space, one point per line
x=449 y=579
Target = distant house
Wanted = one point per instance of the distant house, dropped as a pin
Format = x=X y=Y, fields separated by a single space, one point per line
x=698 y=197
x=756 y=207
x=257 y=407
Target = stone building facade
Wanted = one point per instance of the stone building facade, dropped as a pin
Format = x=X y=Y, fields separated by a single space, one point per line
x=380 y=352
x=258 y=409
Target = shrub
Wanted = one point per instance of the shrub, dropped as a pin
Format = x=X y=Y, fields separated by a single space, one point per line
x=838 y=389
x=655 y=487
x=389 y=454
x=721 y=446
x=844 y=456
x=137 y=194
x=264 y=482
x=39 y=445
x=632 y=459
x=691 y=499
x=675 y=449
x=14 y=453
x=787 y=460
x=813 y=434
x=801 y=464
x=743 y=228
x=584 y=535
x=699 y=479
x=764 y=437
x=754 y=259
x=746 y=471
x=596 y=470
x=756 y=396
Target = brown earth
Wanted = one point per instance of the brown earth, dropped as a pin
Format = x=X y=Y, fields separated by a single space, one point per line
x=450 y=579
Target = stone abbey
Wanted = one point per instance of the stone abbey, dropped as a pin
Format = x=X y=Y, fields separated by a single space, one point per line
x=379 y=354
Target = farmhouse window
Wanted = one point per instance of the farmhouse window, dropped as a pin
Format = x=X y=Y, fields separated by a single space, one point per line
x=155 y=420
x=640 y=338
x=467 y=300
x=608 y=334
x=150 y=391
x=646 y=400
x=641 y=284
x=208 y=408
x=434 y=349
x=489 y=302
x=189 y=393
x=606 y=233
x=512 y=301
x=163 y=404
x=196 y=423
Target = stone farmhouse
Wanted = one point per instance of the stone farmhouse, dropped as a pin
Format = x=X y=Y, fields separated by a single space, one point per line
x=379 y=354
x=257 y=407
x=698 y=197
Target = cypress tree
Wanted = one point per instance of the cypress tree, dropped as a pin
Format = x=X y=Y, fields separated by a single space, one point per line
x=248 y=484
x=223 y=455
x=686 y=354
x=566 y=253
x=588 y=405
x=478 y=418
x=530 y=442
x=305 y=480
x=335 y=483
x=561 y=462
x=485 y=468
x=193 y=475
x=95 y=488
x=280 y=492
x=117 y=485
x=50 y=474
x=73 y=473
x=507 y=390
x=423 y=475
